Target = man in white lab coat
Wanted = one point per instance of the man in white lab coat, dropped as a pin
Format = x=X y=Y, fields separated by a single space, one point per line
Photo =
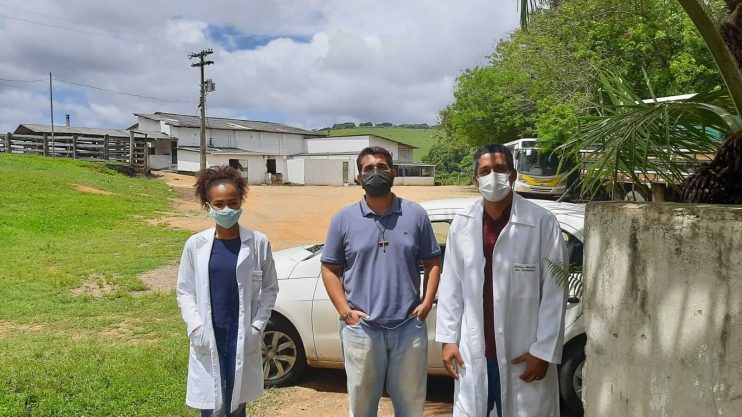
x=500 y=312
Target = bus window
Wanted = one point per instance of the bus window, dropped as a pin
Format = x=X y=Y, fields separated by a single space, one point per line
x=537 y=164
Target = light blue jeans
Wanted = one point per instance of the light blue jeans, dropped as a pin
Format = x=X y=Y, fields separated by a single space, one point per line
x=375 y=355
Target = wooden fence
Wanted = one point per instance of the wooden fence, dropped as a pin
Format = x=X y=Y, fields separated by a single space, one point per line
x=132 y=151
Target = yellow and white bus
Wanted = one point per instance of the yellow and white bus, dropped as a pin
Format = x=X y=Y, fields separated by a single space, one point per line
x=538 y=173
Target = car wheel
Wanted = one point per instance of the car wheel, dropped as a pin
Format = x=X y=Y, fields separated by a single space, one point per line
x=570 y=376
x=283 y=353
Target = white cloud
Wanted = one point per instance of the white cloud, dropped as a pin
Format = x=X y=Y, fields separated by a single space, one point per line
x=362 y=60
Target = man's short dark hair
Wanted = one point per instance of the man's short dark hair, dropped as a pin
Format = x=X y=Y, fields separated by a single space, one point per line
x=493 y=148
x=375 y=150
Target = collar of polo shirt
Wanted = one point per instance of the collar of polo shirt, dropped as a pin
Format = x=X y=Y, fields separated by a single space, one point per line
x=366 y=210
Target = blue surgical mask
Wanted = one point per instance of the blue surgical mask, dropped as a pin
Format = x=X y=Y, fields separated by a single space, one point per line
x=226 y=217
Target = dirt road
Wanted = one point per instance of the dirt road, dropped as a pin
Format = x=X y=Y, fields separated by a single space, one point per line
x=290 y=215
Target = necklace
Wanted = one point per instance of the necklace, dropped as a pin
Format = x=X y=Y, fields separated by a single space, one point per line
x=383 y=243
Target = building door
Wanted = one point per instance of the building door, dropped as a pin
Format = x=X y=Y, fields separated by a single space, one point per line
x=240 y=166
x=345 y=172
x=174 y=153
x=271 y=166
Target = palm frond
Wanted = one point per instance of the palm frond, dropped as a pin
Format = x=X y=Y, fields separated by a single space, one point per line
x=633 y=141
x=562 y=272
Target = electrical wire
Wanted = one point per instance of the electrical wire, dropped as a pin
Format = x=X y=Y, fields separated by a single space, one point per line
x=123 y=93
x=5 y=80
x=88 y=32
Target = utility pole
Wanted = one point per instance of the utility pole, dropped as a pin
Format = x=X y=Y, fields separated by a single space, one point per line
x=51 y=106
x=202 y=104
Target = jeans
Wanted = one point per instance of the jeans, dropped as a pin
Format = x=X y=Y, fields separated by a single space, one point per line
x=494 y=394
x=226 y=347
x=375 y=356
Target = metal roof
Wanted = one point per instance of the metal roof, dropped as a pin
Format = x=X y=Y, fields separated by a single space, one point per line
x=407 y=145
x=27 y=128
x=220 y=150
x=183 y=120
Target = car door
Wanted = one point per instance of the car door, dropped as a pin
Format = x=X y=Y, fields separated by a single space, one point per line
x=435 y=364
x=325 y=325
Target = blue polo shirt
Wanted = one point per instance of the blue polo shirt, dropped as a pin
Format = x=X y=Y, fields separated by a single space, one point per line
x=381 y=279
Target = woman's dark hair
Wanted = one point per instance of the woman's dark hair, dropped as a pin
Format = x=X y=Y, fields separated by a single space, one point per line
x=215 y=176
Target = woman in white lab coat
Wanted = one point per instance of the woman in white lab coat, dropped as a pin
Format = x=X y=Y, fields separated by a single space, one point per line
x=528 y=303
x=226 y=290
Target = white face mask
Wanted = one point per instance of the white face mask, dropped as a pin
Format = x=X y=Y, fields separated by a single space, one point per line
x=494 y=187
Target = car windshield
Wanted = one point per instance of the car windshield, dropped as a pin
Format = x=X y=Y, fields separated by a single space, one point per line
x=536 y=163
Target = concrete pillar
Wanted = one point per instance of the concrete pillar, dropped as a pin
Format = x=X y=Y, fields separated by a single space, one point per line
x=663 y=310
x=658 y=192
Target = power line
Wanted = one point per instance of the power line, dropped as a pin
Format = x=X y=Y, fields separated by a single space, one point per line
x=20 y=81
x=96 y=88
x=123 y=93
x=103 y=32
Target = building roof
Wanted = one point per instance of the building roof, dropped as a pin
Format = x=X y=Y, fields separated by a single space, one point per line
x=27 y=128
x=220 y=150
x=182 y=120
x=368 y=135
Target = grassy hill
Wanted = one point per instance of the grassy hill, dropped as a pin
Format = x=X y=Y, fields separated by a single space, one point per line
x=423 y=139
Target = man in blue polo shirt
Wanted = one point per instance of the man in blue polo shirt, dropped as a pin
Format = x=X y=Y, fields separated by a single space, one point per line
x=370 y=270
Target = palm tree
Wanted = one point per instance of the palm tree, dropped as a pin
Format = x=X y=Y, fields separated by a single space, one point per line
x=631 y=138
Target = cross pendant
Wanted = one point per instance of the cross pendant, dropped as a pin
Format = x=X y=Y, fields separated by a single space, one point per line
x=383 y=244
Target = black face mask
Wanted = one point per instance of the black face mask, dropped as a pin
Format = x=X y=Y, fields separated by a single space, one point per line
x=378 y=182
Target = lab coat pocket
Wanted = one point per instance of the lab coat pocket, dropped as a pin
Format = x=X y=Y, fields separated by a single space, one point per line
x=254 y=339
x=256 y=282
x=525 y=282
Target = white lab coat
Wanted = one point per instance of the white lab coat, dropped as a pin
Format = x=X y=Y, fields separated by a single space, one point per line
x=529 y=308
x=258 y=287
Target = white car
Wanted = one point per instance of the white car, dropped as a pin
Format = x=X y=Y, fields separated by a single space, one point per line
x=304 y=327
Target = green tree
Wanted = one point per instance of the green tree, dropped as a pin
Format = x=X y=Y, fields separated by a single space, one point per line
x=535 y=76
x=453 y=160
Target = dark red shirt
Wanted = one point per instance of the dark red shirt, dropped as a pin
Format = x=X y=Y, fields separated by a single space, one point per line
x=491 y=230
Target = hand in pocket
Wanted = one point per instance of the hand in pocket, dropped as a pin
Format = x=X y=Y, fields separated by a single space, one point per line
x=198 y=338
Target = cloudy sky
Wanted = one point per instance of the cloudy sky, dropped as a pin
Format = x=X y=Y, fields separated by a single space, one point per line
x=309 y=63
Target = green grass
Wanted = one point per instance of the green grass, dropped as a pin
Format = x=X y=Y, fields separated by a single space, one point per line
x=423 y=139
x=61 y=354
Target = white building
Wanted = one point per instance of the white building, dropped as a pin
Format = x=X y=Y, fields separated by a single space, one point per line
x=332 y=161
x=259 y=149
x=275 y=153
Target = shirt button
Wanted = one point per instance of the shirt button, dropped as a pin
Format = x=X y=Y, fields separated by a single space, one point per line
x=497 y=299
x=503 y=362
x=499 y=330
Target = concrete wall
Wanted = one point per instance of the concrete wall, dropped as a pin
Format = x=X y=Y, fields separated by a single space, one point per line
x=338 y=144
x=295 y=169
x=663 y=305
x=260 y=142
x=159 y=161
x=148 y=124
x=405 y=154
x=256 y=168
x=392 y=147
x=324 y=172
x=189 y=161
x=414 y=181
